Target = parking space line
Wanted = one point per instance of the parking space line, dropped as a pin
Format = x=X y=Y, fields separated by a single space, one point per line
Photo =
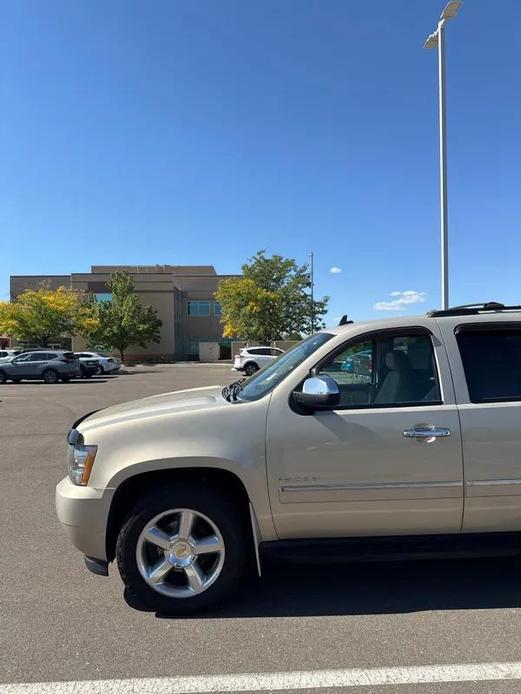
x=279 y=681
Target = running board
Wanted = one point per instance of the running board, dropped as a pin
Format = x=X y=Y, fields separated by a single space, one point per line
x=395 y=548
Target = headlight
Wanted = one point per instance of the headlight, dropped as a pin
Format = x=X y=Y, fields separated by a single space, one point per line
x=79 y=463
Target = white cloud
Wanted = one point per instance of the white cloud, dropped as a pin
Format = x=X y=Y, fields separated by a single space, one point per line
x=335 y=270
x=401 y=299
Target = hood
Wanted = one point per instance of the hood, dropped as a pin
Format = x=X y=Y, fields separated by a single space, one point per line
x=165 y=403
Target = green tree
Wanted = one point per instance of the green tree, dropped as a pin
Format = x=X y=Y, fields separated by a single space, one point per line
x=271 y=301
x=40 y=315
x=124 y=320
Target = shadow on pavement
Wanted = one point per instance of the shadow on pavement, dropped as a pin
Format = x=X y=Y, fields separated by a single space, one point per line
x=291 y=589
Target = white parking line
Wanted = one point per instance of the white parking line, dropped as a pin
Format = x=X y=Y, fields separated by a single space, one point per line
x=279 y=681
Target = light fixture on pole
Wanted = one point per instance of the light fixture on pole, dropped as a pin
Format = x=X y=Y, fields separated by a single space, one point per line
x=437 y=40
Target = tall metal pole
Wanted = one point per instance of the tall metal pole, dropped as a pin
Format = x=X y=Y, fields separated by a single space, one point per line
x=443 y=170
x=312 y=293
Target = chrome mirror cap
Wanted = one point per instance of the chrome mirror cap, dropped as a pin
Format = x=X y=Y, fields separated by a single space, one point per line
x=318 y=393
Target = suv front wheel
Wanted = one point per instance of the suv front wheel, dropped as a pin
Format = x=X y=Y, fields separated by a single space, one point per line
x=182 y=550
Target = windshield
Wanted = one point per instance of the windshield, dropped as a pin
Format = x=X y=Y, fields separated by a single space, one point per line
x=276 y=371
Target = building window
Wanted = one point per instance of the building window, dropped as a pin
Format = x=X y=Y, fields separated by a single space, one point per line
x=103 y=296
x=204 y=308
x=199 y=308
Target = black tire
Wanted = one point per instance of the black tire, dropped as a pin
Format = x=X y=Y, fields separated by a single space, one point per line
x=215 y=506
x=250 y=368
x=100 y=370
x=3 y=377
x=50 y=376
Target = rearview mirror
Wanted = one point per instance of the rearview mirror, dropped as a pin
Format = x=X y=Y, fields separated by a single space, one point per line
x=318 y=393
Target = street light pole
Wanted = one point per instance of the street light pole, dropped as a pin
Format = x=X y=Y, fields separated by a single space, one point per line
x=444 y=212
x=437 y=40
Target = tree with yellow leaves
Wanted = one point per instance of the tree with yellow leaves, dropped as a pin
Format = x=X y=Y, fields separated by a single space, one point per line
x=271 y=301
x=40 y=315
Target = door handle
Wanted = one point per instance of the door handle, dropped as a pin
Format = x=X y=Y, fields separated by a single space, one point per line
x=426 y=432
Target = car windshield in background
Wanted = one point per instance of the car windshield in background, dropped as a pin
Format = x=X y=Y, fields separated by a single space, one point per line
x=272 y=374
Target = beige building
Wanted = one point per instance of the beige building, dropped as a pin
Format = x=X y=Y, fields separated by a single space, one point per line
x=183 y=297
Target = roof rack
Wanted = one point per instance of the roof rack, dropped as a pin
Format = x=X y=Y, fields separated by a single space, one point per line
x=473 y=309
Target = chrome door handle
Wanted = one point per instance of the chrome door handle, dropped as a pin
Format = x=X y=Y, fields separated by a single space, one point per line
x=430 y=432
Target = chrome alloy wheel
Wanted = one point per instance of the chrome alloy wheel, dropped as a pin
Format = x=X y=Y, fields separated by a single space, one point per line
x=180 y=553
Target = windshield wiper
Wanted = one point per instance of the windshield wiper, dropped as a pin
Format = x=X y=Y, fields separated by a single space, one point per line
x=230 y=392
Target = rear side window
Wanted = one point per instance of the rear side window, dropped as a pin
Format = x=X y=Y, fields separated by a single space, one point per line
x=492 y=363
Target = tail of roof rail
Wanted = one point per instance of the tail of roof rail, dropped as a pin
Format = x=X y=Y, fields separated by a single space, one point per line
x=474 y=309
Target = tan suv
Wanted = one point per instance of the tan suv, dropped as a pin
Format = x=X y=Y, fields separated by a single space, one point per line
x=385 y=438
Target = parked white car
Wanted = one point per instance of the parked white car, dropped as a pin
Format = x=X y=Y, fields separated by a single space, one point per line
x=251 y=359
x=9 y=354
x=106 y=364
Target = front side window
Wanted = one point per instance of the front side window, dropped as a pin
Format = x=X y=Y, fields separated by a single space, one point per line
x=492 y=363
x=276 y=371
x=385 y=370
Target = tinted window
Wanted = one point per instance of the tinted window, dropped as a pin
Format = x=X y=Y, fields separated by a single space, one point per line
x=385 y=370
x=276 y=352
x=492 y=363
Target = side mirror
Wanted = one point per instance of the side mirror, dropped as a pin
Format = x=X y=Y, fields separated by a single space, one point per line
x=318 y=393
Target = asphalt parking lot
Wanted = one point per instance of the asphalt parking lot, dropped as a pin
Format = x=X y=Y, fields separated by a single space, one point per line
x=60 y=623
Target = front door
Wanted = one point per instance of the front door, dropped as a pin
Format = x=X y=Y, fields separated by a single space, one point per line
x=370 y=467
x=21 y=366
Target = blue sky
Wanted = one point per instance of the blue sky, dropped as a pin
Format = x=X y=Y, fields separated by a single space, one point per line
x=201 y=131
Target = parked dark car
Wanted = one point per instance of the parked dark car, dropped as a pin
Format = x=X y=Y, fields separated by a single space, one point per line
x=50 y=366
x=88 y=366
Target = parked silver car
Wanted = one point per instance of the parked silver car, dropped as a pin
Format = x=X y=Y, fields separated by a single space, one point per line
x=417 y=451
x=50 y=366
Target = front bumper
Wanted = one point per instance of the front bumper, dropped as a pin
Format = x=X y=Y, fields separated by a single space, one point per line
x=83 y=513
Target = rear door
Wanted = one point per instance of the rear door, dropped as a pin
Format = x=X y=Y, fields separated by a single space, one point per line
x=486 y=364
x=36 y=364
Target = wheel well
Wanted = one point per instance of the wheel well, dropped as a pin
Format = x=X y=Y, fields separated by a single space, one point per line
x=133 y=489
